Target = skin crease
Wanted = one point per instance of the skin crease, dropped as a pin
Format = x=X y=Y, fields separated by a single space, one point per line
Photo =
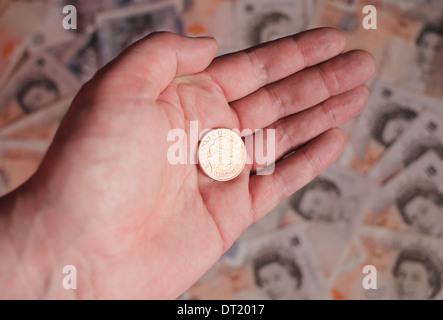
x=412 y=281
x=105 y=198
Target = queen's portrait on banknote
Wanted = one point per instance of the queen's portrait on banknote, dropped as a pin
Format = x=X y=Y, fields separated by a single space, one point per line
x=313 y=202
x=421 y=207
x=413 y=200
x=39 y=81
x=331 y=207
x=391 y=122
x=429 y=49
x=391 y=110
x=275 y=266
x=420 y=69
x=409 y=267
x=283 y=266
x=277 y=273
x=258 y=21
x=417 y=274
x=34 y=93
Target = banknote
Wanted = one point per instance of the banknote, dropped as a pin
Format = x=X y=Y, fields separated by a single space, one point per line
x=118 y=29
x=315 y=244
x=19 y=160
x=417 y=64
x=424 y=135
x=407 y=49
x=211 y=18
x=88 y=10
x=63 y=51
x=330 y=208
x=86 y=61
x=40 y=125
x=15 y=34
x=413 y=200
x=347 y=15
x=277 y=266
x=81 y=55
x=258 y=21
x=50 y=29
x=390 y=111
x=277 y=218
x=424 y=10
x=38 y=82
x=282 y=267
x=407 y=266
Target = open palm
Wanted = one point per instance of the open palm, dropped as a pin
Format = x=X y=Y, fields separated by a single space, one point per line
x=136 y=226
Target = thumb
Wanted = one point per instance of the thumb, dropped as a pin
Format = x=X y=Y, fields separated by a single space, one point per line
x=160 y=57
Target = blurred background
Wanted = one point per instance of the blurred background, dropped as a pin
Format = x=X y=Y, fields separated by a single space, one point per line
x=380 y=205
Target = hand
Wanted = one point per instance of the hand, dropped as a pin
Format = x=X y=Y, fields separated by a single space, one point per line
x=107 y=200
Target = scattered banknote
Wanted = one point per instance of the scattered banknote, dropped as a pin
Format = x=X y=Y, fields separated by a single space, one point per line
x=315 y=244
x=258 y=21
x=86 y=61
x=15 y=33
x=81 y=56
x=407 y=266
x=424 y=135
x=120 y=28
x=330 y=208
x=276 y=266
x=46 y=35
x=88 y=10
x=421 y=52
x=211 y=18
x=424 y=58
x=347 y=15
x=39 y=81
x=40 y=125
x=390 y=111
x=413 y=200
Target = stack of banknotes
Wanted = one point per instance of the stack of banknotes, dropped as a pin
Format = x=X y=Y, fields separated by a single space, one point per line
x=378 y=208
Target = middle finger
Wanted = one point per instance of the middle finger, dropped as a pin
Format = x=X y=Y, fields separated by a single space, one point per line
x=304 y=90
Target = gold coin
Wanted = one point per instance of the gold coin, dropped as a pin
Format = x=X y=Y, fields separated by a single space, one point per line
x=222 y=154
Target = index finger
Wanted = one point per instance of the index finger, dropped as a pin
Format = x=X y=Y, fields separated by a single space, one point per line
x=242 y=73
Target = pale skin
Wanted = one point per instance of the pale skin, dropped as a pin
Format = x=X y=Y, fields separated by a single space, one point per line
x=105 y=198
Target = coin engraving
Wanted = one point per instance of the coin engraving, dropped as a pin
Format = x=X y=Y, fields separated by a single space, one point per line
x=222 y=154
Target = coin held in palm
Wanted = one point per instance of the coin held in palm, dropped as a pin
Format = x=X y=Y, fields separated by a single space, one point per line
x=222 y=154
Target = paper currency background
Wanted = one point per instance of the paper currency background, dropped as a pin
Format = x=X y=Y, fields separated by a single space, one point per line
x=381 y=204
